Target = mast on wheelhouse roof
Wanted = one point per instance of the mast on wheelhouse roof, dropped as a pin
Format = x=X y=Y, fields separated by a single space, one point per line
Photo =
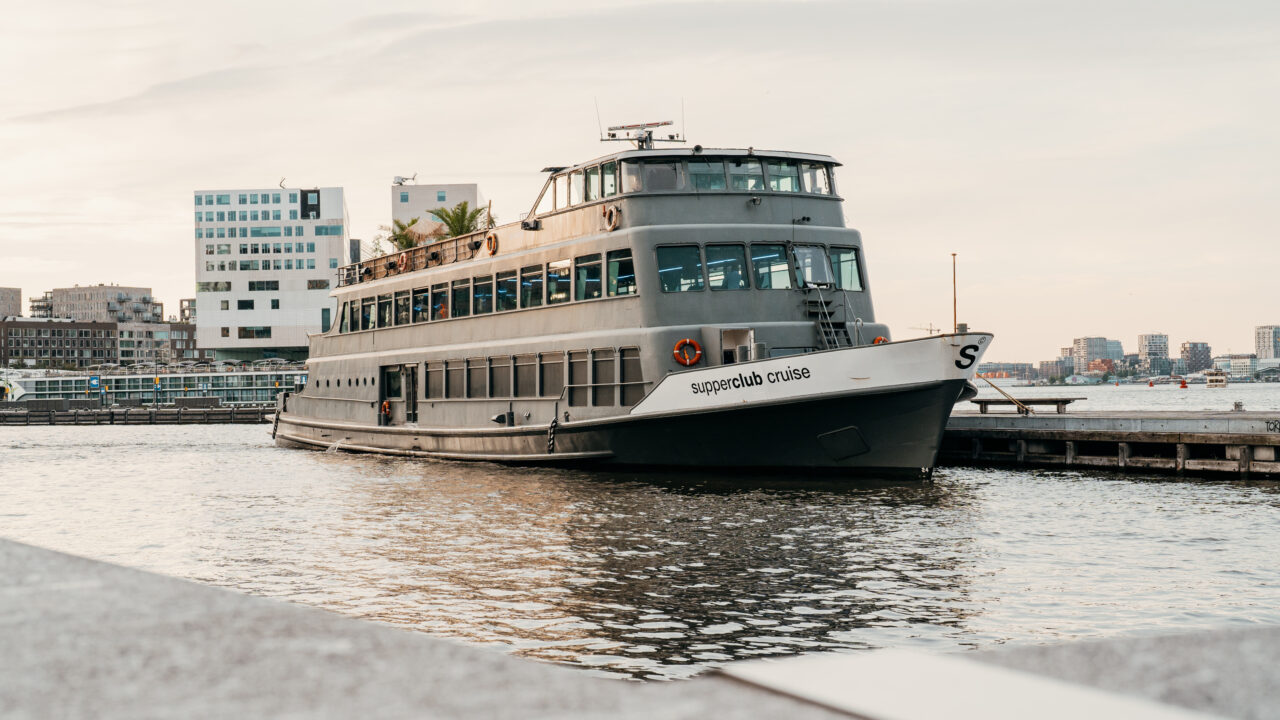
x=641 y=134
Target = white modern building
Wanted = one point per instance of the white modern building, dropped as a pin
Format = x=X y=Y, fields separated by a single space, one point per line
x=410 y=201
x=266 y=261
x=1153 y=353
x=1266 y=341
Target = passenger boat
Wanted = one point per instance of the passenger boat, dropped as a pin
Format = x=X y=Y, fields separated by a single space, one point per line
x=1215 y=378
x=657 y=306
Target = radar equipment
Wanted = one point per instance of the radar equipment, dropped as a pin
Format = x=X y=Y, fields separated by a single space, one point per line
x=641 y=134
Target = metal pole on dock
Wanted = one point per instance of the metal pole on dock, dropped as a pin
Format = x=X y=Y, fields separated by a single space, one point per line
x=955 y=316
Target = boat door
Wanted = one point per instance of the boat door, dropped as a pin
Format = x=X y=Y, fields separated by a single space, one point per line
x=410 y=376
x=391 y=392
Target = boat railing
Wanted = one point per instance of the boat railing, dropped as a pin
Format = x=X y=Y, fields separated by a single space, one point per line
x=419 y=257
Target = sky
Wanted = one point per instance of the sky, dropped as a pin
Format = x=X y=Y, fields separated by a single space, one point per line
x=1099 y=167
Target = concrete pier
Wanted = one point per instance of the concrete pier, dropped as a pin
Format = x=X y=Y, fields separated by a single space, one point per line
x=139 y=416
x=80 y=638
x=1195 y=443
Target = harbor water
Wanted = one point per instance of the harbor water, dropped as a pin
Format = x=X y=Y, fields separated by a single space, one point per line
x=645 y=575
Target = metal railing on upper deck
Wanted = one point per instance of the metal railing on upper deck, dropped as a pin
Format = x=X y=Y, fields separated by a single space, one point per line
x=440 y=252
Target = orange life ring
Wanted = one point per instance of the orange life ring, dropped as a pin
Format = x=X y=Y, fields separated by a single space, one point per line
x=880 y=339
x=402 y=262
x=386 y=408
x=491 y=243
x=612 y=217
x=680 y=355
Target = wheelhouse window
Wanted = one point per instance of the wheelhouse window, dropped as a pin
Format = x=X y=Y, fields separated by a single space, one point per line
x=769 y=266
x=609 y=179
x=506 y=295
x=813 y=268
x=817 y=178
x=421 y=305
x=440 y=301
x=482 y=295
x=559 y=278
x=727 y=267
x=354 y=324
x=461 y=298
x=630 y=176
x=343 y=325
x=384 y=311
x=531 y=286
x=366 y=313
x=562 y=192
x=622 y=273
x=587 y=273
x=575 y=187
x=402 y=307
x=784 y=176
x=546 y=203
x=844 y=261
x=592 y=178
x=745 y=175
x=662 y=176
x=707 y=174
x=680 y=268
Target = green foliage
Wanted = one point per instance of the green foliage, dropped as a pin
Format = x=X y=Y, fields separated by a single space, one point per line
x=462 y=219
x=402 y=236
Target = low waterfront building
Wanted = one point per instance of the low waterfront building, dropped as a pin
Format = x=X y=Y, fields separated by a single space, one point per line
x=255 y=385
x=1239 y=366
x=1021 y=371
x=10 y=302
x=105 y=303
x=57 y=342
x=265 y=263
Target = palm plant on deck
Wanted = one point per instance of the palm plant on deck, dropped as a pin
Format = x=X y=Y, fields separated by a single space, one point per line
x=462 y=219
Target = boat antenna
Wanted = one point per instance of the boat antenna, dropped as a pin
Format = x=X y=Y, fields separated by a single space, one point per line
x=955 y=317
x=641 y=134
x=599 y=122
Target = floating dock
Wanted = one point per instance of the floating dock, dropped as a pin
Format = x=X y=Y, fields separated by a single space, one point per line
x=140 y=416
x=1185 y=442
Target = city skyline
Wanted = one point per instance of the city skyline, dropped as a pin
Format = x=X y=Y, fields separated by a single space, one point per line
x=1100 y=168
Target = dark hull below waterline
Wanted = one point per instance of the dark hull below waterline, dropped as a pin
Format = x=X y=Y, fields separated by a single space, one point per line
x=893 y=433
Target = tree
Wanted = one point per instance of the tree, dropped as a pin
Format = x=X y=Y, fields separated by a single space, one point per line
x=462 y=219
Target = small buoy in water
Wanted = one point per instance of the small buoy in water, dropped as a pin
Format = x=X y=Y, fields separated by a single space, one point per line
x=1150 y=384
x=1117 y=383
x=1183 y=386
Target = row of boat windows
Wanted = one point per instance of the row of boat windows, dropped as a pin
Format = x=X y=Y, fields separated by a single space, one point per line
x=601 y=377
x=681 y=268
x=587 y=277
x=734 y=174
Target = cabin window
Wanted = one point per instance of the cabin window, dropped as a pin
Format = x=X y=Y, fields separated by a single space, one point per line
x=559 y=278
x=575 y=187
x=402 y=307
x=506 y=292
x=366 y=313
x=562 y=192
x=384 y=311
x=461 y=298
x=769 y=266
x=526 y=376
x=440 y=301
x=354 y=324
x=435 y=380
x=745 y=175
x=727 y=267
x=551 y=374
x=500 y=376
x=587 y=277
x=622 y=273
x=813 y=267
x=603 y=376
x=630 y=176
x=844 y=260
x=482 y=295
x=455 y=377
x=342 y=323
x=421 y=305
x=579 y=390
x=680 y=268
x=663 y=176
x=707 y=175
x=531 y=286
x=630 y=376
x=816 y=178
x=784 y=176
x=546 y=203
x=609 y=179
x=592 y=178
x=477 y=378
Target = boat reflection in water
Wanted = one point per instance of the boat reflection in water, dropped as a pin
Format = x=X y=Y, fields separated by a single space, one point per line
x=654 y=575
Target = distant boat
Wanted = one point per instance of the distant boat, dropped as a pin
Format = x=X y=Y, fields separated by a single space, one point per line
x=1215 y=378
